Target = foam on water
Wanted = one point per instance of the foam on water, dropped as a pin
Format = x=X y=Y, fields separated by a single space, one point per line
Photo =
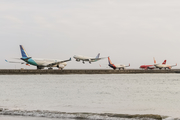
x=87 y=116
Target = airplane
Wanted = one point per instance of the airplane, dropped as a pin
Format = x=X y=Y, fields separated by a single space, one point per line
x=84 y=58
x=116 y=66
x=160 y=66
x=40 y=62
x=146 y=67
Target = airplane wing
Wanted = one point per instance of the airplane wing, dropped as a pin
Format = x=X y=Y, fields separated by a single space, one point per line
x=15 y=62
x=128 y=65
x=56 y=63
x=151 y=67
x=174 y=65
x=97 y=58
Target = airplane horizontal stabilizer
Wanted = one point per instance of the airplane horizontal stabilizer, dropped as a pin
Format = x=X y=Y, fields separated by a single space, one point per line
x=14 y=62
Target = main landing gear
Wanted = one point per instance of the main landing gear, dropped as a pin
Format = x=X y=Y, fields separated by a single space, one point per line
x=60 y=68
x=39 y=68
x=50 y=68
x=121 y=68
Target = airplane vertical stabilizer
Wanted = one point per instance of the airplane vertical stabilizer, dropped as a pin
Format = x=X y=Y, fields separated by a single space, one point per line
x=98 y=55
x=164 y=62
x=109 y=61
x=154 y=61
x=23 y=52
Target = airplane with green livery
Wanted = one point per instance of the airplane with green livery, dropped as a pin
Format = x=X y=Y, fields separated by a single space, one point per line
x=40 y=62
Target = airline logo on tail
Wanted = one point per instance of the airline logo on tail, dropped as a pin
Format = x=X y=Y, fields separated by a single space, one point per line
x=23 y=52
x=164 y=62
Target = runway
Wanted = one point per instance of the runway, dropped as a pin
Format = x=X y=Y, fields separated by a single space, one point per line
x=84 y=71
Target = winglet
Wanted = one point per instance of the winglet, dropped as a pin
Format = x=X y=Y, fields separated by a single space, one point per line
x=69 y=59
x=128 y=65
x=6 y=60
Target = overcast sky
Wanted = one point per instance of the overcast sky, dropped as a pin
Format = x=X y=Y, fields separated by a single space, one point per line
x=129 y=31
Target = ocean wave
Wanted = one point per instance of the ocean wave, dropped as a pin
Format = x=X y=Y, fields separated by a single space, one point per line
x=86 y=116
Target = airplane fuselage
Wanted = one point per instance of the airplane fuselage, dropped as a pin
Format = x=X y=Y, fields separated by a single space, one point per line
x=162 y=66
x=117 y=66
x=84 y=58
x=147 y=66
x=43 y=62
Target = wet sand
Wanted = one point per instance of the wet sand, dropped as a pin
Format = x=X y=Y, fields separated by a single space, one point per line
x=6 y=117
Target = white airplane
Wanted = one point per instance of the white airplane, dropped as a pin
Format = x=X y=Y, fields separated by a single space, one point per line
x=163 y=65
x=84 y=58
x=40 y=62
x=116 y=66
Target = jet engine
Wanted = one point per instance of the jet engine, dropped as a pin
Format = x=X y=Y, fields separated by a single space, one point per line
x=90 y=61
x=169 y=67
x=39 y=67
x=60 y=66
x=77 y=60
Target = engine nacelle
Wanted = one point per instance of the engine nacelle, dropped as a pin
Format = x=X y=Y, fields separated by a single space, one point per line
x=90 y=61
x=77 y=60
x=61 y=66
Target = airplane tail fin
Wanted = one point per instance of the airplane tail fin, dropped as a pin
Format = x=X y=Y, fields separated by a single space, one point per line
x=98 y=55
x=109 y=61
x=154 y=61
x=23 y=52
x=164 y=62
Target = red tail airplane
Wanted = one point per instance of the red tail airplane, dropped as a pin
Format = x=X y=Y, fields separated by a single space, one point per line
x=146 y=67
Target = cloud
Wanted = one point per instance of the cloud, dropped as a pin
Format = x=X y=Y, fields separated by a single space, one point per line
x=12 y=19
x=125 y=30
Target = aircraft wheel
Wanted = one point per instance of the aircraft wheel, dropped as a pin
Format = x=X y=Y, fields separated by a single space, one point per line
x=39 y=68
x=83 y=62
x=50 y=68
x=160 y=68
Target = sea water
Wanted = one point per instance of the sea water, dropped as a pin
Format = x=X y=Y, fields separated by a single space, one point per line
x=97 y=96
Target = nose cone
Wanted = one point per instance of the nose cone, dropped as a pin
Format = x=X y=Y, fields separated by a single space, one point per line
x=74 y=56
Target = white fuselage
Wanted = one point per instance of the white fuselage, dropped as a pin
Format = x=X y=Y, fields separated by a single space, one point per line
x=118 y=66
x=162 y=66
x=45 y=62
x=83 y=58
